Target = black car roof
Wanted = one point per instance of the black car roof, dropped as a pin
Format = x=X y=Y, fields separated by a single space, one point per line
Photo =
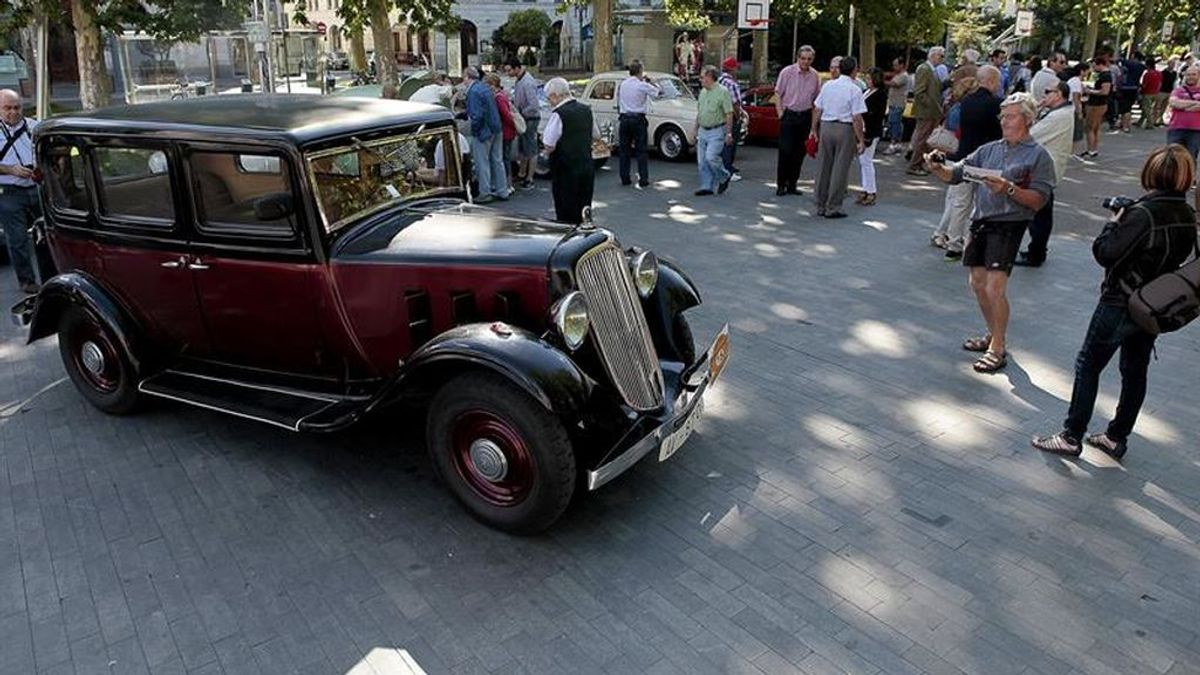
x=298 y=118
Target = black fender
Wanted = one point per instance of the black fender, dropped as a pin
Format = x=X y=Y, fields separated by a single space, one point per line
x=77 y=288
x=673 y=294
x=539 y=368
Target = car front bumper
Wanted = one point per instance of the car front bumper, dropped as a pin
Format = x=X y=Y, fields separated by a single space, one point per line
x=667 y=430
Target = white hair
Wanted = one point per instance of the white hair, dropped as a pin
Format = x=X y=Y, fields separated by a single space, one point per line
x=471 y=73
x=558 y=86
x=937 y=51
x=970 y=56
x=1025 y=103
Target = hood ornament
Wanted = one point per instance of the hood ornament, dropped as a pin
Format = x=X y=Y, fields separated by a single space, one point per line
x=586 y=223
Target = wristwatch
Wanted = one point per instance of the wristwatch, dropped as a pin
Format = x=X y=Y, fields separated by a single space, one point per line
x=1012 y=189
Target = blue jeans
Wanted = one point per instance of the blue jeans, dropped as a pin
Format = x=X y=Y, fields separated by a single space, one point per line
x=710 y=144
x=895 y=123
x=19 y=207
x=1188 y=138
x=730 y=152
x=1111 y=329
x=488 y=157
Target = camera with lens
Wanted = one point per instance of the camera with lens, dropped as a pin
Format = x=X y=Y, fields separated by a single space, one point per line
x=1115 y=204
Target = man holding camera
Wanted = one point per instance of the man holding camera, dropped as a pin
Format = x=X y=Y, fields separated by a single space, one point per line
x=1014 y=178
x=633 y=99
x=19 y=205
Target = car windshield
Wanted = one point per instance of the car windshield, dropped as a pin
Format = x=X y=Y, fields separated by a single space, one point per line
x=673 y=87
x=365 y=176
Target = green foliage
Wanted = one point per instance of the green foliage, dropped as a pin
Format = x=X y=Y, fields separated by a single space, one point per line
x=526 y=28
x=974 y=24
x=170 y=21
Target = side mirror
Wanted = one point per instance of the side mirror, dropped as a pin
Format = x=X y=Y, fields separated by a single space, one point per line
x=275 y=206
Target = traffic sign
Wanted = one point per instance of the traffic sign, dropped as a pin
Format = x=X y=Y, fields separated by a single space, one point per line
x=256 y=31
x=1168 y=31
x=321 y=28
x=1024 y=26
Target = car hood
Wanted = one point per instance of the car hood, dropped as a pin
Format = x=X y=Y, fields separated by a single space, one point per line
x=676 y=108
x=474 y=235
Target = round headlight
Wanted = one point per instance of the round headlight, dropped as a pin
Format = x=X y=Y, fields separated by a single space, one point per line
x=645 y=273
x=571 y=319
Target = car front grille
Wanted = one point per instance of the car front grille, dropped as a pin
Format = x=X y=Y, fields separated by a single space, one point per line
x=619 y=327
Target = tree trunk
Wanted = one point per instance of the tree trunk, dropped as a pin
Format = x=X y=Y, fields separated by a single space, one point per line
x=758 y=55
x=866 y=45
x=1141 y=25
x=602 y=42
x=93 y=90
x=385 y=52
x=358 y=51
x=1093 y=28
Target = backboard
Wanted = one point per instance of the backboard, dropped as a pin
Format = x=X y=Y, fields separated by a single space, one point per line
x=754 y=14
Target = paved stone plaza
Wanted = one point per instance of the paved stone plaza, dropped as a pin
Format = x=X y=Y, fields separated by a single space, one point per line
x=856 y=500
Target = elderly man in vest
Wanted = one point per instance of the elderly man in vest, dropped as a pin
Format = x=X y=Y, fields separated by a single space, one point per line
x=19 y=205
x=568 y=141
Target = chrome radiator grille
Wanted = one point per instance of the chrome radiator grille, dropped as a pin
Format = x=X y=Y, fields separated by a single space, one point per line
x=619 y=327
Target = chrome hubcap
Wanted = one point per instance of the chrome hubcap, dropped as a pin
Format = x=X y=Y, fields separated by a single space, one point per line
x=489 y=460
x=671 y=144
x=92 y=357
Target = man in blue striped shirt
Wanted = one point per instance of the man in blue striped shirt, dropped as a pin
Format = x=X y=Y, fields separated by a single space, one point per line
x=728 y=80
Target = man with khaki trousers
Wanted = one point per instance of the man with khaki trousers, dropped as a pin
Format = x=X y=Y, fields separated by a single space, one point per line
x=927 y=108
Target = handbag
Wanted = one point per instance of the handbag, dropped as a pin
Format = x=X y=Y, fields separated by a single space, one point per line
x=1171 y=300
x=810 y=146
x=943 y=139
x=517 y=118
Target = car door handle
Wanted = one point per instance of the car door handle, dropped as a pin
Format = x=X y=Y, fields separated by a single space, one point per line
x=174 y=264
x=197 y=265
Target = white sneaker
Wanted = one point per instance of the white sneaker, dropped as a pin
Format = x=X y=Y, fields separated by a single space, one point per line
x=735 y=178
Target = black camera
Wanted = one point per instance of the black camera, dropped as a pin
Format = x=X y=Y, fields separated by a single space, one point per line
x=1115 y=204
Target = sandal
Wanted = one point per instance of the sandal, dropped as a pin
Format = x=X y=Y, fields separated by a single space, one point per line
x=978 y=344
x=1058 y=444
x=990 y=362
x=868 y=199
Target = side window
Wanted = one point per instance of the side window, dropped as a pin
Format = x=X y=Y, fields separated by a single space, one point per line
x=242 y=193
x=135 y=182
x=604 y=90
x=66 y=177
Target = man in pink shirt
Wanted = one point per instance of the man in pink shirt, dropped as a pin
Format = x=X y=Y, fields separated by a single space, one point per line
x=795 y=91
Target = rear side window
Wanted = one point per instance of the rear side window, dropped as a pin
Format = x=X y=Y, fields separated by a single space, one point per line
x=242 y=194
x=135 y=182
x=604 y=90
x=65 y=179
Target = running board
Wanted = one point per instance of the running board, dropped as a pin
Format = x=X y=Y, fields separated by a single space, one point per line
x=289 y=409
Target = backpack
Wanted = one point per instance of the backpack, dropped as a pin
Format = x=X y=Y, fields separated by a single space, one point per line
x=517 y=118
x=1171 y=300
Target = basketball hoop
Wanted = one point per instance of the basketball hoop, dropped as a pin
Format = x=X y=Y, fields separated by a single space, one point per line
x=754 y=15
x=759 y=24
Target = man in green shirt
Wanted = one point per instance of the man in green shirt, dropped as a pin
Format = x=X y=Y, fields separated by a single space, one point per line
x=714 y=128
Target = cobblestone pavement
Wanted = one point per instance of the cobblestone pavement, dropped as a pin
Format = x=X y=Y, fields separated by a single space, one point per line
x=857 y=499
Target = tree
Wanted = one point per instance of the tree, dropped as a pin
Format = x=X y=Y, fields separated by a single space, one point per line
x=602 y=35
x=525 y=28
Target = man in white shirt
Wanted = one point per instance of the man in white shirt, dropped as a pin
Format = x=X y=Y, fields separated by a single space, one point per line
x=1053 y=130
x=633 y=98
x=19 y=205
x=1048 y=76
x=838 y=123
x=437 y=93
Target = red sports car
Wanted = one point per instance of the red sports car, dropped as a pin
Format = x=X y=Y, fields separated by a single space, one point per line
x=759 y=103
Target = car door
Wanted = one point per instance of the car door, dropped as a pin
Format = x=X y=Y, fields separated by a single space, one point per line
x=256 y=271
x=601 y=97
x=142 y=241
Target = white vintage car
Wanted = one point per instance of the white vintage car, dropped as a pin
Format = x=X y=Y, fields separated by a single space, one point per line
x=671 y=117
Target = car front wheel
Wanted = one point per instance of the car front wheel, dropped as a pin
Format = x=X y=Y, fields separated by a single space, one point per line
x=503 y=456
x=96 y=362
x=671 y=144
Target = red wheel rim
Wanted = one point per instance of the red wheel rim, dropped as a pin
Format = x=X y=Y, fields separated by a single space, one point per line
x=492 y=458
x=95 y=357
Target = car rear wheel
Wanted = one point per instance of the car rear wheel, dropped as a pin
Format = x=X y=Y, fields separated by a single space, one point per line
x=671 y=144
x=96 y=362
x=503 y=456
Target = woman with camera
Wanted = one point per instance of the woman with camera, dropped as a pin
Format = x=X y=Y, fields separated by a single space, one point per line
x=1148 y=237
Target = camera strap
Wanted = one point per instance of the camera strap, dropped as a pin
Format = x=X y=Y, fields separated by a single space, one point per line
x=11 y=141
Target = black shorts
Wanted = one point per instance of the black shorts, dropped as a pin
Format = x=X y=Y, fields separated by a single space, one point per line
x=1126 y=100
x=994 y=244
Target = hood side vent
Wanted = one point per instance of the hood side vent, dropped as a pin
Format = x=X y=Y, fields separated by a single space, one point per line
x=508 y=306
x=462 y=304
x=420 y=317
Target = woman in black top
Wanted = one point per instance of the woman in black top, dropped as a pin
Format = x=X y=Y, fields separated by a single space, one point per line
x=1152 y=237
x=1097 y=104
x=876 y=100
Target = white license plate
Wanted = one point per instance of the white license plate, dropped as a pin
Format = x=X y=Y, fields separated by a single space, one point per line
x=676 y=440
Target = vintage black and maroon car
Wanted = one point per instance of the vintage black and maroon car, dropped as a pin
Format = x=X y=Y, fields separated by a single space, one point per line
x=305 y=261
